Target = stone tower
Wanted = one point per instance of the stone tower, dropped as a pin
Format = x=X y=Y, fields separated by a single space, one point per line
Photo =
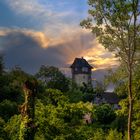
x=81 y=71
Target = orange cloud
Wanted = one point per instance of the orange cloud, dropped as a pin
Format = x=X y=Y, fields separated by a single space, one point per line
x=80 y=43
x=100 y=57
x=39 y=37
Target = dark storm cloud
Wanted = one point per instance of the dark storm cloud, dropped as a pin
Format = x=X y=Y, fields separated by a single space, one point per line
x=31 y=49
x=18 y=40
x=26 y=49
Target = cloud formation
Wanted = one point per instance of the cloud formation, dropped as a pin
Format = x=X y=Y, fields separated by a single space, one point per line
x=100 y=57
x=47 y=15
x=29 y=7
x=20 y=37
x=30 y=49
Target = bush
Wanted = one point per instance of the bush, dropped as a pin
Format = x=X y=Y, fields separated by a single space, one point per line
x=103 y=114
x=8 y=109
x=99 y=135
x=12 y=127
x=114 y=135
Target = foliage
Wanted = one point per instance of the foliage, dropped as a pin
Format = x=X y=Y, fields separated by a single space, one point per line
x=114 y=135
x=120 y=123
x=12 y=127
x=60 y=115
x=53 y=96
x=1 y=65
x=124 y=108
x=88 y=92
x=75 y=95
x=6 y=90
x=53 y=78
x=27 y=109
x=98 y=135
x=117 y=27
x=2 y=132
x=60 y=121
x=119 y=78
x=11 y=85
x=103 y=114
x=8 y=109
x=84 y=93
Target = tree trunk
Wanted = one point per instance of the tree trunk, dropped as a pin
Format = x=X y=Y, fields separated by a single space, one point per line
x=130 y=104
x=27 y=109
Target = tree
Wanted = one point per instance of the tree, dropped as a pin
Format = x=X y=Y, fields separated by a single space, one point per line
x=75 y=95
x=2 y=132
x=12 y=127
x=53 y=78
x=114 y=135
x=11 y=84
x=103 y=114
x=27 y=109
x=53 y=96
x=63 y=120
x=119 y=79
x=117 y=26
x=1 y=65
x=8 y=109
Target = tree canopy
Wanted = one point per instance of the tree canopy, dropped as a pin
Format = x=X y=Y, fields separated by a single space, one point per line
x=117 y=26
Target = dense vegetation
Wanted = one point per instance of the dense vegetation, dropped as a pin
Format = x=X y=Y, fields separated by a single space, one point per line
x=117 y=27
x=60 y=107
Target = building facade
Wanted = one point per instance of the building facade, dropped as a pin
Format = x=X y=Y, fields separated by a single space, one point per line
x=81 y=71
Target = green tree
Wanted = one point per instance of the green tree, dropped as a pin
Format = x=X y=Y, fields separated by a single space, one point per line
x=53 y=96
x=1 y=65
x=11 y=84
x=75 y=95
x=12 y=127
x=119 y=79
x=114 y=135
x=136 y=116
x=99 y=135
x=2 y=132
x=59 y=119
x=116 y=24
x=53 y=78
x=8 y=109
x=103 y=114
x=27 y=109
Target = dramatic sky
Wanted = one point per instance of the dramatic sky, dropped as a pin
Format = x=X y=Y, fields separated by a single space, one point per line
x=36 y=32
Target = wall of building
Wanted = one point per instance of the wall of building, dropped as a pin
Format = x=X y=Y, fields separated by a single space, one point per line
x=82 y=78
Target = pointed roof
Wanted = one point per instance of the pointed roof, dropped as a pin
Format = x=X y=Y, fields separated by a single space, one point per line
x=80 y=62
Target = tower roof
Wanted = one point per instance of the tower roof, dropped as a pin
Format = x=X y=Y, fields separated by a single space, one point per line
x=80 y=62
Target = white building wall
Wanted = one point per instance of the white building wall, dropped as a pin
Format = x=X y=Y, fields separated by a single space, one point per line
x=81 y=78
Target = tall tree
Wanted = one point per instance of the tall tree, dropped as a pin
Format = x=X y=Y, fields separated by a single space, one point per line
x=53 y=78
x=117 y=26
x=27 y=126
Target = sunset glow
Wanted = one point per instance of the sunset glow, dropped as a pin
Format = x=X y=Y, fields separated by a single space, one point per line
x=39 y=32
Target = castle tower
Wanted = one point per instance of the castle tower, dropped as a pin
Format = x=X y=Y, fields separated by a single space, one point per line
x=81 y=71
